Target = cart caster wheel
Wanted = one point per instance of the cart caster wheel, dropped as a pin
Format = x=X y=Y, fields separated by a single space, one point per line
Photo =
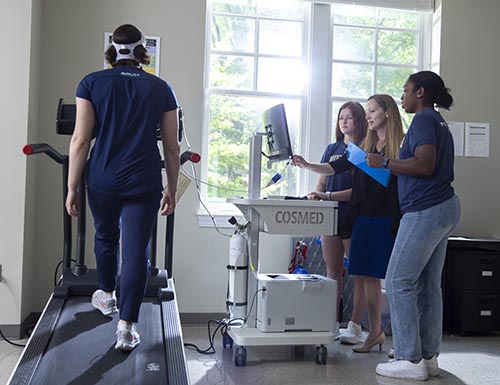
x=240 y=356
x=227 y=341
x=321 y=354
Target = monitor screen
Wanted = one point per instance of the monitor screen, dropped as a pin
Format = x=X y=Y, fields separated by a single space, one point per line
x=277 y=137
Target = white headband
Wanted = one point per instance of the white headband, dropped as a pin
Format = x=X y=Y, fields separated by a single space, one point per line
x=130 y=47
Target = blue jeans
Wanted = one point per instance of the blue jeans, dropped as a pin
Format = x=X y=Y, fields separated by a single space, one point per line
x=413 y=280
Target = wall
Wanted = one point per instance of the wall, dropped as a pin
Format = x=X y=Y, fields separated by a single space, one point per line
x=199 y=265
x=470 y=60
x=72 y=45
x=18 y=108
x=73 y=31
x=31 y=174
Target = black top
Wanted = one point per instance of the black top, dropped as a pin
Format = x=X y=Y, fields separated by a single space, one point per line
x=369 y=198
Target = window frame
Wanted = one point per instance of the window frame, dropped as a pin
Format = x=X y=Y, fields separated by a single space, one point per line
x=316 y=124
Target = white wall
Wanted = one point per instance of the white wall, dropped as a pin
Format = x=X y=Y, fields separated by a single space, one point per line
x=470 y=61
x=200 y=254
x=18 y=110
x=74 y=30
x=72 y=45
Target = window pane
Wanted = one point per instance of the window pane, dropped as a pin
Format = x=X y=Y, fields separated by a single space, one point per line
x=397 y=19
x=352 y=80
x=335 y=112
x=406 y=118
x=232 y=72
x=285 y=76
x=233 y=121
x=247 y=7
x=282 y=9
x=353 y=44
x=390 y=80
x=347 y=14
x=397 y=47
x=233 y=34
x=280 y=38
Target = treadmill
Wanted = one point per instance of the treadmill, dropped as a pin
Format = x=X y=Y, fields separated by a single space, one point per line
x=73 y=343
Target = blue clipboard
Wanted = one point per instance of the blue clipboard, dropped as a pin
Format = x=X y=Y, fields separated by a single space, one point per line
x=357 y=157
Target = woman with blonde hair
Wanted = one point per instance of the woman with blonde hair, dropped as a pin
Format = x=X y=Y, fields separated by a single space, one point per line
x=373 y=207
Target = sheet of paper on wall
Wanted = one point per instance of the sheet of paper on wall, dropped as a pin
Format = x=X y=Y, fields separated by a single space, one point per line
x=457 y=130
x=477 y=139
x=357 y=157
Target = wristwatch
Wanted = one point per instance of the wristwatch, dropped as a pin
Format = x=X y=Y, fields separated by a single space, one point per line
x=385 y=162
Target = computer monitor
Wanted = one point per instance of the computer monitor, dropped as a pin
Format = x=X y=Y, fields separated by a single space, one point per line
x=278 y=141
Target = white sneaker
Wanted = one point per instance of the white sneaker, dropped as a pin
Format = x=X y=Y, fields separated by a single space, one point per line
x=336 y=331
x=352 y=335
x=403 y=369
x=432 y=366
x=127 y=337
x=104 y=302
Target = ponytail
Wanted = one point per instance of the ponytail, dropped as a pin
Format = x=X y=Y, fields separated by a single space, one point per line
x=435 y=89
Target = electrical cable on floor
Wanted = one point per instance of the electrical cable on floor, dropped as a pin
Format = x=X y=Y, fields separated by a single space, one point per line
x=31 y=327
x=9 y=341
x=222 y=325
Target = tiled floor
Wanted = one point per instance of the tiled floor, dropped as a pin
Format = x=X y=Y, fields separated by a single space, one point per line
x=464 y=360
x=467 y=360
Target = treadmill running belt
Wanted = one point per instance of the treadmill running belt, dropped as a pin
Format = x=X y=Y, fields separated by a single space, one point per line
x=82 y=349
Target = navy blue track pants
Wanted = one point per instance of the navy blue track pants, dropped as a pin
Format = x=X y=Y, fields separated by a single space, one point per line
x=134 y=218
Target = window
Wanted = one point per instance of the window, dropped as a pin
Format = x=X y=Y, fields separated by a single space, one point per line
x=311 y=57
x=257 y=60
x=374 y=51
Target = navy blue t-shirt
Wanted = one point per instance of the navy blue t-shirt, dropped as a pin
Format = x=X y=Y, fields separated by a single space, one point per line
x=128 y=103
x=421 y=192
x=341 y=181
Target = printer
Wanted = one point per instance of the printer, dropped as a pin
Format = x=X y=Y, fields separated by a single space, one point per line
x=296 y=303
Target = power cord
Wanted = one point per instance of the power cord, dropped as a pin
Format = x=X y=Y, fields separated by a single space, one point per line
x=196 y=180
x=57 y=268
x=30 y=328
x=222 y=325
x=275 y=179
x=9 y=341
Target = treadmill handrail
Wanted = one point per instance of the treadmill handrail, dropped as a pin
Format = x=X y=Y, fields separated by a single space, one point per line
x=45 y=148
x=38 y=148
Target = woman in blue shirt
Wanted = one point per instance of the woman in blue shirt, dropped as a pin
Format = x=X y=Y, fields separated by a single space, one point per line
x=351 y=125
x=375 y=208
x=431 y=210
x=125 y=104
